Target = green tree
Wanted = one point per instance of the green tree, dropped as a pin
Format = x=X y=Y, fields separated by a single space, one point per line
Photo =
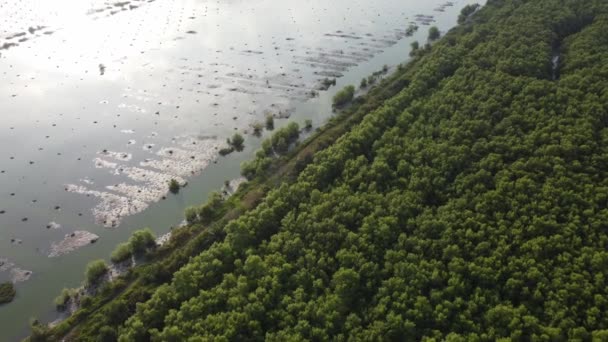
x=95 y=271
x=363 y=83
x=174 y=186
x=434 y=33
x=237 y=142
x=344 y=96
x=7 y=292
x=269 y=122
x=142 y=241
x=121 y=253
x=191 y=215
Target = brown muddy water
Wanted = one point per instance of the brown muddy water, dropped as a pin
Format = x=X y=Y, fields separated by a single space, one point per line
x=103 y=102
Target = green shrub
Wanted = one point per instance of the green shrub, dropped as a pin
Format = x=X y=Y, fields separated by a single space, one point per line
x=410 y=30
x=363 y=83
x=121 y=253
x=95 y=270
x=7 y=292
x=141 y=241
x=61 y=301
x=326 y=83
x=249 y=169
x=284 y=137
x=466 y=12
x=269 y=122
x=257 y=128
x=86 y=301
x=174 y=186
x=107 y=334
x=226 y=151
x=210 y=210
x=434 y=33
x=344 y=96
x=191 y=215
x=308 y=124
x=237 y=142
x=40 y=332
x=278 y=143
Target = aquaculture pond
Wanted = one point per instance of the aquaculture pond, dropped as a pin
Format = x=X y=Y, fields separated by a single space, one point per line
x=103 y=103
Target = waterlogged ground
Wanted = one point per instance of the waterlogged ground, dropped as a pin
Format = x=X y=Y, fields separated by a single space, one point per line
x=104 y=102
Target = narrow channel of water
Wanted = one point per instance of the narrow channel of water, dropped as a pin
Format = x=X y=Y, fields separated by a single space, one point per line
x=103 y=102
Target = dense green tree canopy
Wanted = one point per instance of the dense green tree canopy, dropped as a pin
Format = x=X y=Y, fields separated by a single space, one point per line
x=470 y=206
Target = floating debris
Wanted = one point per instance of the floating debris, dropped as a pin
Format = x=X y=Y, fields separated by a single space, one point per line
x=19 y=275
x=72 y=242
x=5 y=265
x=53 y=225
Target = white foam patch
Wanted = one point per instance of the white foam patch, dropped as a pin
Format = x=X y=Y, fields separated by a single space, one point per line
x=16 y=274
x=53 y=225
x=189 y=158
x=112 y=208
x=121 y=156
x=132 y=108
x=5 y=264
x=87 y=180
x=149 y=182
x=104 y=164
x=20 y=275
x=233 y=185
x=72 y=242
x=148 y=147
x=139 y=193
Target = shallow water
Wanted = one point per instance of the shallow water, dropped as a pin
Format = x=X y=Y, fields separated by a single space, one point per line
x=103 y=102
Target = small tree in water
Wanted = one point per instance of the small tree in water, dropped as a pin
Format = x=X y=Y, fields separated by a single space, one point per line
x=308 y=124
x=7 y=292
x=363 y=83
x=237 y=142
x=270 y=122
x=174 y=186
x=257 y=129
x=434 y=33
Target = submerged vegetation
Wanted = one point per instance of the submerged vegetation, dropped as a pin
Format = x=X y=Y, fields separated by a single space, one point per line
x=278 y=144
x=236 y=143
x=434 y=33
x=270 y=122
x=7 y=292
x=257 y=128
x=326 y=83
x=463 y=198
x=411 y=29
x=174 y=186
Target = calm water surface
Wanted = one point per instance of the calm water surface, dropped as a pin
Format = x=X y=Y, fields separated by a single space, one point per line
x=103 y=102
